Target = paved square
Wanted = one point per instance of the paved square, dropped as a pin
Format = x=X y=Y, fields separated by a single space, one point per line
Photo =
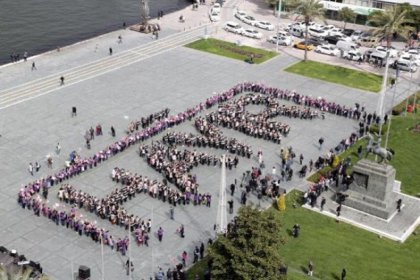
x=177 y=78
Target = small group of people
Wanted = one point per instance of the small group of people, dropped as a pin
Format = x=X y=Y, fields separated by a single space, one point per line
x=15 y=57
x=145 y=122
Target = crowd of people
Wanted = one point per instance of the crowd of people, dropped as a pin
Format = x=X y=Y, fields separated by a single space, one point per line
x=216 y=140
x=175 y=165
x=177 y=171
x=137 y=183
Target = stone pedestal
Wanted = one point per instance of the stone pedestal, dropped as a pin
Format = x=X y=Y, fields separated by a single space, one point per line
x=371 y=189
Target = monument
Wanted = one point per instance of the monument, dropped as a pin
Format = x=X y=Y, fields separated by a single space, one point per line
x=372 y=189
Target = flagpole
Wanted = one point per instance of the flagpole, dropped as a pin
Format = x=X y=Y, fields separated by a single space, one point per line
x=102 y=255
x=129 y=248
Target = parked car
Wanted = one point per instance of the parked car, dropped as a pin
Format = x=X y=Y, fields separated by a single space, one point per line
x=240 y=14
x=249 y=20
x=368 y=42
x=356 y=35
x=317 y=33
x=331 y=39
x=316 y=41
x=392 y=51
x=410 y=58
x=335 y=32
x=233 y=27
x=348 y=32
x=217 y=7
x=301 y=46
x=214 y=16
x=264 y=25
x=252 y=33
x=346 y=46
x=282 y=40
x=327 y=49
x=296 y=31
x=353 y=55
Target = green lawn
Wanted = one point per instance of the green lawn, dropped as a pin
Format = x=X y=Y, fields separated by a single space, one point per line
x=333 y=246
x=339 y=75
x=404 y=142
x=231 y=50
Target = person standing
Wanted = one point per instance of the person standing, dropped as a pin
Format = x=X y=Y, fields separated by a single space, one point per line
x=119 y=39
x=160 y=234
x=338 y=210
x=360 y=151
x=202 y=250
x=343 y=274
x=300 y=159
x=58 y=148
x=129 y=266
x=110 y=51
x=323 y=201
x=73 y=111
x=31 y=169
x=112 y=131
x=171 y=212
x=310 y=268
x=182 y=231
x=196 y=254
x=232 y=189
x=230 y=202
x=37 y=166
x=33 y=66
x=273 y=172
x=62 y=80
x=321 y=141
x=184 y=257
x=399 y=203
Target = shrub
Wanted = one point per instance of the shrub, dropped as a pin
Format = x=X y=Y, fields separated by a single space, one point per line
x=400 y=108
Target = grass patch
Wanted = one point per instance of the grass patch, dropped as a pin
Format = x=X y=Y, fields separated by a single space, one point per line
x=339 y=75
x=333 y=246
x=231 y=50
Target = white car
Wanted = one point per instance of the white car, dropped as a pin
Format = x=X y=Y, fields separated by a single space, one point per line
x=214 y=16
x=317 y=33
x=415 y=60
x=405 y=66
x=353 y=55
x=264 y=25
x=327 y=49
x=216 y=7
x=240 y=14
x=335 y=32
x=233 y=27
x=249 y=20
x=282 y=40
x=252 y=33
x=413 y=51
x=356 y=35
x=392 y=52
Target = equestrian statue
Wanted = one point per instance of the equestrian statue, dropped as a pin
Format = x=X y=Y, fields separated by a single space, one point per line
x=375 y=148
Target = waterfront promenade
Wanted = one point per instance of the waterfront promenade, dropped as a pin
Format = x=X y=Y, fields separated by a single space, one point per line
x=141 y=77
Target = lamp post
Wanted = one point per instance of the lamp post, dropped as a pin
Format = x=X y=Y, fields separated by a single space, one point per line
x=392 y=104
x=383 y=92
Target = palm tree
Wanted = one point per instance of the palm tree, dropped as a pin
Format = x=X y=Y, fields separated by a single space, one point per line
x=347 y=15
x=309 y=9
x=391 y=22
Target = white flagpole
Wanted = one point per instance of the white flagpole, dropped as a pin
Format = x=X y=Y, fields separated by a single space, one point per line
x=129 y=248
x=102 y=255
x=221 y=211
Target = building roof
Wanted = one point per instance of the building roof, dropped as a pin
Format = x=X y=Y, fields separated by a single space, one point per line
x=411 y=2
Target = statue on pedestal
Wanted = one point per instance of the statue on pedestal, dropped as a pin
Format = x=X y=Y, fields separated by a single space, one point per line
x=375 y=148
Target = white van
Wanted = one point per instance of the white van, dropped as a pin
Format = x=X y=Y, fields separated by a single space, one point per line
x=377 y=56
x=405 y=65
x=296 y=31
x=233 y=27
x=346 y=46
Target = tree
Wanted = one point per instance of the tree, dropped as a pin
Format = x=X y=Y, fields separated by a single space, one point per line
x=390 y=23
x=250 y=249
x=347 y=15
x=309 y=9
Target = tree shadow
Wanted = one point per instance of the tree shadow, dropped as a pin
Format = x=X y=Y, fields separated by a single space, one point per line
x=304 y=269
x=335 y=276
